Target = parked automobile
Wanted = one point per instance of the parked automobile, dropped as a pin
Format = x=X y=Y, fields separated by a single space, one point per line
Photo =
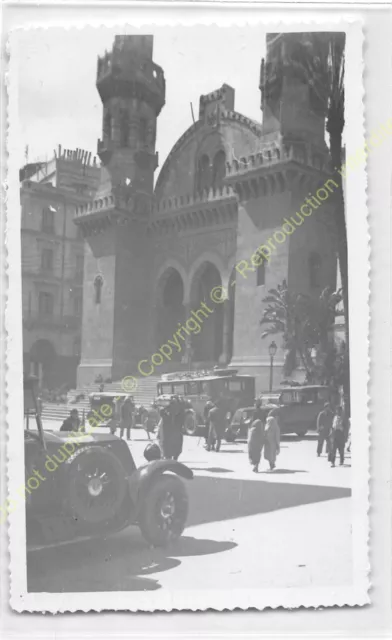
x=297 y=411
x=91 y=486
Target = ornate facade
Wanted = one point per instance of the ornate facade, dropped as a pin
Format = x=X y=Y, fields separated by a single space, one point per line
x=153 y=255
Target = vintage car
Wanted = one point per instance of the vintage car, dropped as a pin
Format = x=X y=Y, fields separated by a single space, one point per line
x=88 y=485
x=297 y=410
x=146 y=417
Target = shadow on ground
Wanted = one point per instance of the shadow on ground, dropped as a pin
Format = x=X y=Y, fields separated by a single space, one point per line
x=215 y=499
x=117 y=563
x=124 y=561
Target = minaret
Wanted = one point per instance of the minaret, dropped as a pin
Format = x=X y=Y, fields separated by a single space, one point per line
x=117 y=287
x=290 y=80
x=132 y=90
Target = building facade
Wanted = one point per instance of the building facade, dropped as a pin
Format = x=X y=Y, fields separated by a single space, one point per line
x=52 y=264
x=214 y=221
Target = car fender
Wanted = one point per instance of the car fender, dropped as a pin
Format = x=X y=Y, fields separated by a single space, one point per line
x=141 y=480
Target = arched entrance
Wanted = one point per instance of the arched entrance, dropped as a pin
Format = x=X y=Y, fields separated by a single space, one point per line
x=42 y=362
x=170 y=308
x=208 y=343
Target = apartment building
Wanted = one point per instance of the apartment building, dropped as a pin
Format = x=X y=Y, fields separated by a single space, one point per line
x=52 y=263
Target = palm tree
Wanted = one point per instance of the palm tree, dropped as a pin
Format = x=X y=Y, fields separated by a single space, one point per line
x=304 y=323
x=286 y=313
x=323 y=69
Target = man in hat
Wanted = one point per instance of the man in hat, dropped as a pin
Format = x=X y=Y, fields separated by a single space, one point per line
x=324 y=427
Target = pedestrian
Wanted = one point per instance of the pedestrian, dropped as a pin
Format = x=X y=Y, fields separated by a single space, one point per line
x=170 y=434
x=272 y=439
x=208 y=406
x=256 y=437
x=217 y=419
x=127 y=410
x=324 y=426
x=72 y=423
x=338 y=439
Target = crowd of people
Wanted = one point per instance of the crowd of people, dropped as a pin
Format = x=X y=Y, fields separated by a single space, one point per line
x=263 y=432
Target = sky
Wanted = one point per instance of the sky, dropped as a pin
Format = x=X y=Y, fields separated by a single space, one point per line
x=59 y=103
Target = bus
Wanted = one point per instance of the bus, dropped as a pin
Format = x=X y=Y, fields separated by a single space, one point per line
x=223 y=386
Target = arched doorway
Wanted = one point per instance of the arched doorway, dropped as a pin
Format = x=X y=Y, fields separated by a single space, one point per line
x=170 y=308
x=208 y=343
x=42 y=362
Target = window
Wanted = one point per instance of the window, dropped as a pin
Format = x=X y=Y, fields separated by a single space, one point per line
x=77 y=304
x=45 y=303
x=98 y=284
x=261 y=274
x=47 y=220
x=179 y=388
x=235 y=385
x=218 y=169
x=203 y=173
x=314 y=266
x=192 y=389
x=47 y=259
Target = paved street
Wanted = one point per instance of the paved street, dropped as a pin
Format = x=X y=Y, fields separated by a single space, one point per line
x=287 y=528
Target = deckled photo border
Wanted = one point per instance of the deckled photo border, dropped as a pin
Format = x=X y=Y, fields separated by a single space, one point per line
x=358 y=246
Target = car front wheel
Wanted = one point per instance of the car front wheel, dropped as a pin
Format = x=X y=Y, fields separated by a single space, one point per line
x=230 y=436
x=164 y=511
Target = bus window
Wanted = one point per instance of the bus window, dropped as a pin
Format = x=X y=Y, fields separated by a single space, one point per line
x=204 y=388
x=235 y=385
x=179 y=388
x=164 y=388
x=193 y=388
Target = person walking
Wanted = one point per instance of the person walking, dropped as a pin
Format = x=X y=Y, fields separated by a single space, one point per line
x=256 y=437
x=272 y=439
x=217 y=419
x=206 y=411
x=338 y=439
x=126 y=417
x=170 y=434
x=324 y=427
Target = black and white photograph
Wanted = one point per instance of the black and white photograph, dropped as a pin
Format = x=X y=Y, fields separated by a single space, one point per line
x=189 y=364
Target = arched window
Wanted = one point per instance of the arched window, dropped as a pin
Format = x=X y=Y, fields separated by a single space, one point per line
x=219 y=168
x=98 y=284
x=203 y=173
x=314 y=266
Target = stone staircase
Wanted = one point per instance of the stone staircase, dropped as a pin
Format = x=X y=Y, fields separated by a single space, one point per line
x=144 y=393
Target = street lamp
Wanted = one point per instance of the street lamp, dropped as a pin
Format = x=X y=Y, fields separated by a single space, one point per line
x=272 y=349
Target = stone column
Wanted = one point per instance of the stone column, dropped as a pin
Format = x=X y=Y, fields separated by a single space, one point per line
x=187 y=354
x=224 y=357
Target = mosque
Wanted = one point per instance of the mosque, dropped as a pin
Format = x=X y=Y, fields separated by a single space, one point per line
x=238 y=207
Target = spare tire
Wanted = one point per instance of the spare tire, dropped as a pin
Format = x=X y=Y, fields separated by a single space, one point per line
x=95 y=485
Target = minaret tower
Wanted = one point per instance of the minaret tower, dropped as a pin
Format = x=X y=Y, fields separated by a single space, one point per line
x=132 y=90
x=117 y=291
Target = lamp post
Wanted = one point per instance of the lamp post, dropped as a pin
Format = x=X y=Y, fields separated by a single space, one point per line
x=272 y=349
